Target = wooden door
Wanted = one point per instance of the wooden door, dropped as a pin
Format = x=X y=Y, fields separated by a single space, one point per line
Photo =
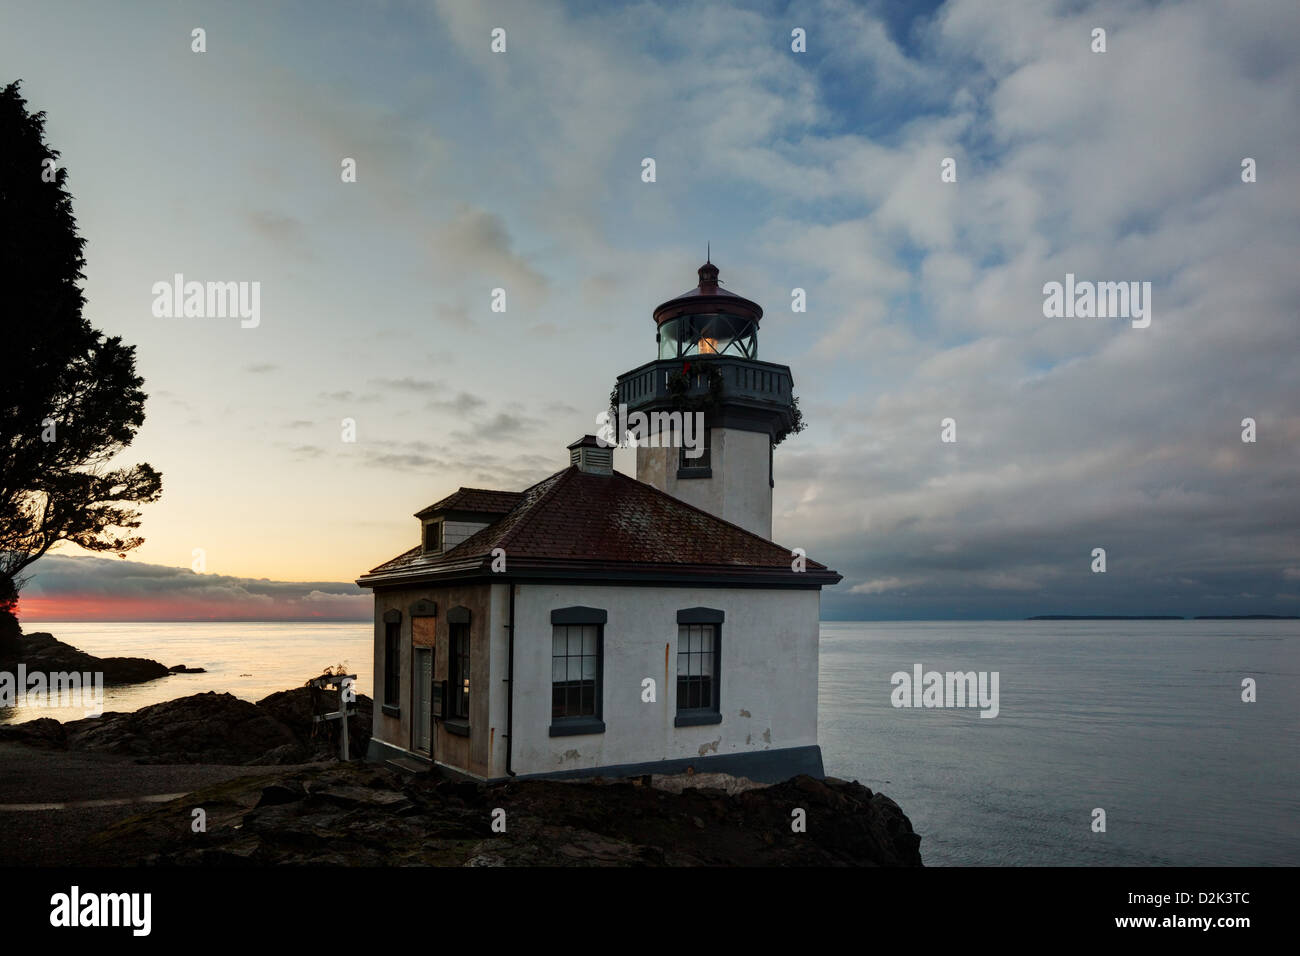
x=422 y=732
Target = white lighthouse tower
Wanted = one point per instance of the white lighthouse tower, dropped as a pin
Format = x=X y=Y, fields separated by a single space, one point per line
x=708 y=363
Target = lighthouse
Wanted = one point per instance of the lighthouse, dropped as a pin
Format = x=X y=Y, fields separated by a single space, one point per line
x=595 y=624
x=707 y=365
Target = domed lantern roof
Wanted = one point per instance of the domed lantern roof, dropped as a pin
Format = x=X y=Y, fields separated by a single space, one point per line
x=708 y=296
x=708 y=320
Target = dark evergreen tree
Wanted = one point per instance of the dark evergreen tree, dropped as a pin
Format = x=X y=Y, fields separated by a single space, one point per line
x=70 y=400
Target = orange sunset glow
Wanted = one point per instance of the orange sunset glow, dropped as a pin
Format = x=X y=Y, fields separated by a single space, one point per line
x=97 y=607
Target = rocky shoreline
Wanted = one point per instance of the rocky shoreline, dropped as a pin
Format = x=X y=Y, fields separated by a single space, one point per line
x=302 y=805
x=367 y=815
x=208 y=728
x=364 y=814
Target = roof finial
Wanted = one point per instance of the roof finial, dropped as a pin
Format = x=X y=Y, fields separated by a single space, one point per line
x=708 y=252
x=708 y=276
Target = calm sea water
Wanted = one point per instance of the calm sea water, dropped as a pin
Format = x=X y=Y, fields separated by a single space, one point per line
x=1143 y=719
x=247 y=660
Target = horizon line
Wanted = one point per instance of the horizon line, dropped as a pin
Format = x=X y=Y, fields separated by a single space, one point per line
x=1039 y=618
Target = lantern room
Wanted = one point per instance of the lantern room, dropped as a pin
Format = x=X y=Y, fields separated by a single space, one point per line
x=708 y=320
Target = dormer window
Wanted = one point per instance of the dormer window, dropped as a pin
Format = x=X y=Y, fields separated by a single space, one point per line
x=433 y=537
x=445 y=525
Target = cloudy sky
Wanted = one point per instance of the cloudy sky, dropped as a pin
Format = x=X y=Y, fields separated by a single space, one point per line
x=818 y=170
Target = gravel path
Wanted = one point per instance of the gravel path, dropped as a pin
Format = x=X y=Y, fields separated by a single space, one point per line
x=52 y=837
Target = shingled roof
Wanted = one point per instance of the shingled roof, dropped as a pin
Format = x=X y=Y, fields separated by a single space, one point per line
x=478 y=500
x=611 y=526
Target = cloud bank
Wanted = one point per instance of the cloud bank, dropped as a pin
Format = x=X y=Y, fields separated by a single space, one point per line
x=72 y=588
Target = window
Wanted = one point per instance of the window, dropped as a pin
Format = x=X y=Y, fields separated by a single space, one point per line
x=699 y=679
x=432 y=537
x=575 y=658
x=458 y=672
x=696 y=660
x=708 y=334
x=700 y=462
x=577 y=643
x=392 y=661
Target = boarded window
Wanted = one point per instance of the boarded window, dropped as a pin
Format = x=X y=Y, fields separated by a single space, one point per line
x=422 y=631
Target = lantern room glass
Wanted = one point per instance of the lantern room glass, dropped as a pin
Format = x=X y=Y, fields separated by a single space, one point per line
x=708 y=334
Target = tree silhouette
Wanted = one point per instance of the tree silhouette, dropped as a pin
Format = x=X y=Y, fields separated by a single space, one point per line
x=70 y=400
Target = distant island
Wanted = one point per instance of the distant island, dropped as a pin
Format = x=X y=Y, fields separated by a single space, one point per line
x=1105 y=617
x=1163 y=617
x=1247 y=617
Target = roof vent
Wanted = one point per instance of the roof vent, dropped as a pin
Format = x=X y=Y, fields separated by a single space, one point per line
x=587 y=454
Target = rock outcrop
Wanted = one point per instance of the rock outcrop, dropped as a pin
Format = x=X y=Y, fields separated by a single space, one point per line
x=43 y=652
x=208 y=728
x=363 y=815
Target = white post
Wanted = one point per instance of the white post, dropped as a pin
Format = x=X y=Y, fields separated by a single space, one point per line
x=344 y=688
